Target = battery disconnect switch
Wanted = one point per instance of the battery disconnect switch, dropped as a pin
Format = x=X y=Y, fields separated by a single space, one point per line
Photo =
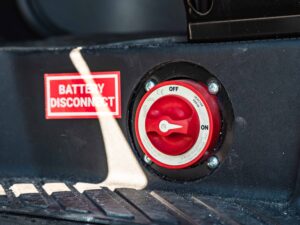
x=176 y=122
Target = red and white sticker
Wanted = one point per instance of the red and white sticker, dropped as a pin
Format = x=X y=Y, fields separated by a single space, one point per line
x=69 y=95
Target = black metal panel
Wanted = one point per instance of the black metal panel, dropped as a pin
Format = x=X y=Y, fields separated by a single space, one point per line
x=260 y=79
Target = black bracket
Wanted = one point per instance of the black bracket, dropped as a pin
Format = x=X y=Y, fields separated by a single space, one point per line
x=221 y=20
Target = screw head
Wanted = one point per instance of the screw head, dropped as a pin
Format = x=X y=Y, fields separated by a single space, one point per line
x=213 y=87
x=147 y=160
x=213 y=162
x=149 y=85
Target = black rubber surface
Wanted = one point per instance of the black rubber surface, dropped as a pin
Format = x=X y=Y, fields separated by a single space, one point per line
x=128 y=206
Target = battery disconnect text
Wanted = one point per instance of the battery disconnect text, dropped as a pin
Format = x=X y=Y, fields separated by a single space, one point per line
x=69 y=96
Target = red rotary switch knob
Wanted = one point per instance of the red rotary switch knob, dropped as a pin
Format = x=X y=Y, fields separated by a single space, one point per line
x=177 y=122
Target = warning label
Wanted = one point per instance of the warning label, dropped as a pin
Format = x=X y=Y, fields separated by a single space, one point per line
x=74 y=96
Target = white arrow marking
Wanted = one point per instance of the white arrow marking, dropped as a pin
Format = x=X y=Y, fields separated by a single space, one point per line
x=165 y=126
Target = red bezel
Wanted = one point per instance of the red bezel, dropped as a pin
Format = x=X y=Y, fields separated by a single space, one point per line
x=209 y=107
